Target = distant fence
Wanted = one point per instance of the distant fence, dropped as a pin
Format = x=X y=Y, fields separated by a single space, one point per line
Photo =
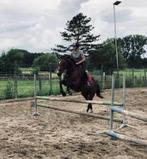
x=16 y=86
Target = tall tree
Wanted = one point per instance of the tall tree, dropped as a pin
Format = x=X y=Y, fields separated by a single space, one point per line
x=105 y=57
x=11 y=61
x=46 y=62
x=132 y=48
x=78 y=30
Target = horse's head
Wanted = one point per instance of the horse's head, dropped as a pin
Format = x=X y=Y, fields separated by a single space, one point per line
x=65 y=64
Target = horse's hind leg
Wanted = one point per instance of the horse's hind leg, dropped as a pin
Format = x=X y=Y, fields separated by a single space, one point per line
x=61 y=88
x=68 y=90
x=88 y=97
x=89 y=107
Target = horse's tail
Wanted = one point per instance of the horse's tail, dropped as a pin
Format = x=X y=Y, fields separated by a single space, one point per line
x=98 y=92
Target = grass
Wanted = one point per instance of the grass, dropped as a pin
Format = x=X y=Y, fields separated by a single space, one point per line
x=134 y=72
x=29 y=71
x=25 y=88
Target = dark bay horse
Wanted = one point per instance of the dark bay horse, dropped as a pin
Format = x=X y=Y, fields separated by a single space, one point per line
x=76 y=80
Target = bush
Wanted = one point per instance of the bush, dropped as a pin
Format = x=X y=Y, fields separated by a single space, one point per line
x=35 y=70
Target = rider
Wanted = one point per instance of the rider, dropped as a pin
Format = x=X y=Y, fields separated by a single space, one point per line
x=79 y=58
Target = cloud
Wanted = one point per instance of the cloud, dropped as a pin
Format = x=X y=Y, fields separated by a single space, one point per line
x=71 y=7
x=122 y=15
x=35 y=25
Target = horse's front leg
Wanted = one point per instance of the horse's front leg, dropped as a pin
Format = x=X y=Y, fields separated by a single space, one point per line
x=61 y=87
x=68 y=90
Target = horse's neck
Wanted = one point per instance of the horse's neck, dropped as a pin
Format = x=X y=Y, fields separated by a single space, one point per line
x=74 y=73
x=71 y=67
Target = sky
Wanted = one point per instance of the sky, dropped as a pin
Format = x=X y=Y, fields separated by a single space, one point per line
x=35 y=25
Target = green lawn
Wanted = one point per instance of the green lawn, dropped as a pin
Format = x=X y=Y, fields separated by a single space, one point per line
x=134 y=72
x=25 y=88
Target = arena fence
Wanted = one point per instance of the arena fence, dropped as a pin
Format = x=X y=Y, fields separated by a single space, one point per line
x=13 y=86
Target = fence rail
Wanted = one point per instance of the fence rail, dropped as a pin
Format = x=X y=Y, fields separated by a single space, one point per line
x=14 y=86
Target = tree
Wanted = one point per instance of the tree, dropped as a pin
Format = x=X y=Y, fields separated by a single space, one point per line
x=105 y=57
x=78 y=30
x=132 y=48
x=2 y=63
x=11 y=61
x=45 y=61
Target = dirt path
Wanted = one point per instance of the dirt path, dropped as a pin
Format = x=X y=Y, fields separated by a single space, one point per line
x=58 y=135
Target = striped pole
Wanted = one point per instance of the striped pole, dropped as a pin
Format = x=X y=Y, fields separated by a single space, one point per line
x=60 y=99
x=76 y=112
x=126 y=138
x=131 y=114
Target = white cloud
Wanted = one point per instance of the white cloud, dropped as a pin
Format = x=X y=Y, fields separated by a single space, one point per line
x=35 y=25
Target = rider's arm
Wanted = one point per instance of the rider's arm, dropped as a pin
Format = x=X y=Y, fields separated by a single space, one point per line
x=82 y=59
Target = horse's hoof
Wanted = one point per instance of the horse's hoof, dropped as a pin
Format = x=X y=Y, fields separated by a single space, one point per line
x=89 y=110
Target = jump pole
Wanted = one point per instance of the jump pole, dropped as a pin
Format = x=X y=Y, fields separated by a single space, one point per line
x=126 y=138
x=122 y=106
x=35 y=105
x=106 y=103
x=76 y=112
x=124 y=101
x=131 y=114
x=112 y=102
x=122 y=110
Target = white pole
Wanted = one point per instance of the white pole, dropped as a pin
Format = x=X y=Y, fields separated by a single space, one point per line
x=124 y=97
x=112 y=103
x=115 y=37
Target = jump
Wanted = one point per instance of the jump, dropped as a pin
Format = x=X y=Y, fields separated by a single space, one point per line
x=77 y=80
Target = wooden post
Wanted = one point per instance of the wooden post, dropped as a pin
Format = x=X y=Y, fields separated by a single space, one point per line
x=50 y=82
x=34 y=103
x=15 y=87
x=133 y=76
x=40 y=84
x=145 y=77
x=103 y=81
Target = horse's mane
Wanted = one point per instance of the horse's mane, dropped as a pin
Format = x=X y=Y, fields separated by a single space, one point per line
x=68 y=58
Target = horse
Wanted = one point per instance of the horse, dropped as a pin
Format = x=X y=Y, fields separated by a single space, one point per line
x=77 y=80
